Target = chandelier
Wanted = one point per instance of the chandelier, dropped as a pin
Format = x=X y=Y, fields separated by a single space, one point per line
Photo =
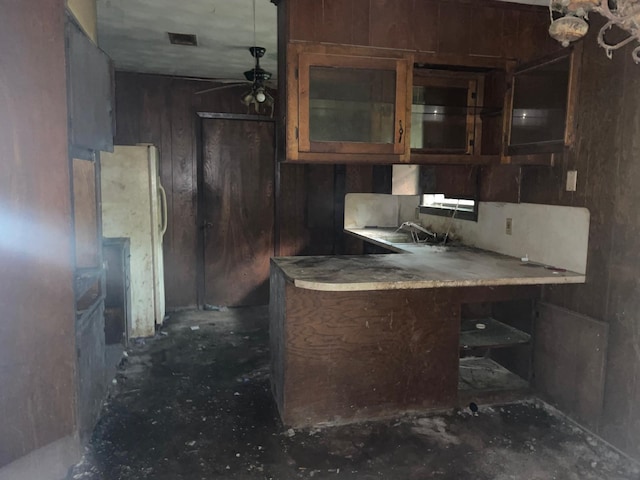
x=572 y=24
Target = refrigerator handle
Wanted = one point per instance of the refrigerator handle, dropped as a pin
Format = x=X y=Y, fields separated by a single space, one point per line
x=163 y=196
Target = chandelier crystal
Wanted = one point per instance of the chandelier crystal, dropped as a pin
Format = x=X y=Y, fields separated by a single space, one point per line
x=572 y=24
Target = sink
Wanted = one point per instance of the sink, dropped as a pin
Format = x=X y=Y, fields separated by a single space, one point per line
x=434 y=248
x=395 y=237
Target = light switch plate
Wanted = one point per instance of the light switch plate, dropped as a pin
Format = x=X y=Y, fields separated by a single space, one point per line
x=572 y=180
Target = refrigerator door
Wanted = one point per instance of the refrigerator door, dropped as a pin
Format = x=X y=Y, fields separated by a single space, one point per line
x=159 y=227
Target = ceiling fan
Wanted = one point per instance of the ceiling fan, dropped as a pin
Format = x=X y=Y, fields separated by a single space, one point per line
x=257 y=77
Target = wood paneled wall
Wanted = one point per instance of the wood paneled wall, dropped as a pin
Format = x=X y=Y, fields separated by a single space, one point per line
x=37 y=355
x=162 y=110
x=608 y=165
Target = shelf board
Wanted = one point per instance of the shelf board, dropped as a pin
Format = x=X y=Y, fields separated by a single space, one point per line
x=495 y=334
x=483 y=375
x=458 y=110
x=422 y=156
x=85 y=279
x=85 y=312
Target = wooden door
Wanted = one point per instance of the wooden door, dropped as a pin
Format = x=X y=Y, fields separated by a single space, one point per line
x=237 y=202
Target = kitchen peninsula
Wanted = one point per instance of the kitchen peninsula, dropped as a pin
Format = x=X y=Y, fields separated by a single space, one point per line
x=360 y=337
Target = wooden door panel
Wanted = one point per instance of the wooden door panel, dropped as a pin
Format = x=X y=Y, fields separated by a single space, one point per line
x=238 y=206
x=425 y=25
x=486 y=41
x=454 y=23
x=390 y=26
x=90 y=87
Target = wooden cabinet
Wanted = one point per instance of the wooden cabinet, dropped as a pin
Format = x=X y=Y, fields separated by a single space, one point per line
x=90 y=93
x=456 y=115
x=465 y=32
x=90 y=121
x=341 y=355
x=348 y=104
x=540 y=106
x=344 y=356
x=347 y=68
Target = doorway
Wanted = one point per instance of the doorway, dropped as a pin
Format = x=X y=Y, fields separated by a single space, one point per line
x=237 y=191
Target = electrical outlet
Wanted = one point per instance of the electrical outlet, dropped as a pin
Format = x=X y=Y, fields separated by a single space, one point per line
x=508 y=226
x=572 y=180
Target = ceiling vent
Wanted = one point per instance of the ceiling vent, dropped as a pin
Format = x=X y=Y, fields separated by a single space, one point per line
x=183 y=39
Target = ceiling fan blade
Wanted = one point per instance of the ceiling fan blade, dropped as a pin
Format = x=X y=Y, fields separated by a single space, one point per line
x=220 y=87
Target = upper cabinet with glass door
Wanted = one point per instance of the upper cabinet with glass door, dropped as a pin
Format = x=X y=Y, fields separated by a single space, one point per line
x=541 y=105
x=456 y=115
x=443 y=114
x=348 y=105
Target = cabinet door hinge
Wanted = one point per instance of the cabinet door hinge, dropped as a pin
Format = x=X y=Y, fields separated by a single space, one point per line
x=296 y=133
x=296 y=73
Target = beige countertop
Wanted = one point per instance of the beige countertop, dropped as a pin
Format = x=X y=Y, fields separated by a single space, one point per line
x=421 y=266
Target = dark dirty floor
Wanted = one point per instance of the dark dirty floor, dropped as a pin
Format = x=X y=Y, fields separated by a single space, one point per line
x=194 y=403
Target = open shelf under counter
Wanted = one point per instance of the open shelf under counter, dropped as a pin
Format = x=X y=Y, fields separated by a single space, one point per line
x=492 y=334
x=481 y=376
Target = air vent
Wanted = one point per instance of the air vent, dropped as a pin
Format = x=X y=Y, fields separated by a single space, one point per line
x=183 y=39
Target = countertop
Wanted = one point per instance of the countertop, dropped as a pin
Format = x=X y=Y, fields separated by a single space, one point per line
x=421 y=266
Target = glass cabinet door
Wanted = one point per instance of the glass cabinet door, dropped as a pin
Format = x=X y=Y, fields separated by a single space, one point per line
x=542 y=105
x=443 y=115
x=351 y=104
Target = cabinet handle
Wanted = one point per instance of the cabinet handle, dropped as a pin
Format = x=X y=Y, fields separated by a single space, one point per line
x=401 y=132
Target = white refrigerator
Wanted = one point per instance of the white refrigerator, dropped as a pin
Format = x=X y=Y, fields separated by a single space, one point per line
x=134 y=205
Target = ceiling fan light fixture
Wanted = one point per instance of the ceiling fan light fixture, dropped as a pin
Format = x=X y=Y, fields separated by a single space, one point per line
x=247 y=98
x=260 y=95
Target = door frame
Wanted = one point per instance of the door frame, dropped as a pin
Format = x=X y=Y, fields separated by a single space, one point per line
x=200 y=117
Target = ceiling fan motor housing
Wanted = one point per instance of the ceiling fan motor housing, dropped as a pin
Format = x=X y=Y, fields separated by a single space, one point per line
x=257 y=52
x=257 y=74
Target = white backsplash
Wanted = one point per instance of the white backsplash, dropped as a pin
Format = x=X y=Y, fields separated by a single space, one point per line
x=552 y=235
x=378 y=210
x=548 y=234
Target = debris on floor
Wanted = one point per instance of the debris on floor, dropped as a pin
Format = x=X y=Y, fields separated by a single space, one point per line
x=196 y=404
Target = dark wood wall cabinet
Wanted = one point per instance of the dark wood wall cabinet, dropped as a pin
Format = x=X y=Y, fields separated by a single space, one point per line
x=90 y=92
x=368 y=81
x=90 y=120
x=462 y=32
